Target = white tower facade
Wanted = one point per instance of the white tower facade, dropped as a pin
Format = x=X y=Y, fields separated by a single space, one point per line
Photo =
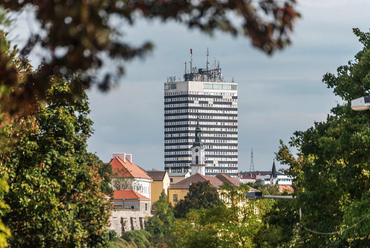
x=198 y=154
x=203 y=94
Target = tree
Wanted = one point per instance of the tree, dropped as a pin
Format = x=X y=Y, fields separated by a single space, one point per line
x=233 y=223
x=77 y=35
x=54 y=196
x=332 y=170
x=200 y=195
x=279 y=225
x=266 y=189
x=105 y=172
x=160 y=224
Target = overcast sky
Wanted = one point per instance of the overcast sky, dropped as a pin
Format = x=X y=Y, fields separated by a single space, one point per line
x=278 y=94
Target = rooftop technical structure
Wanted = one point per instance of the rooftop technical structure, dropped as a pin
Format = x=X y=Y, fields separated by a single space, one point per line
x=202 y=93
x=252 y=163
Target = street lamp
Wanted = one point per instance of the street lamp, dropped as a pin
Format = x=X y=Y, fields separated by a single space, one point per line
x=361 y=103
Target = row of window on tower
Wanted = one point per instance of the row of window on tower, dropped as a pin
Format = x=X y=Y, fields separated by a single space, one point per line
x=182 y=99
x=169 y=141
x=221 y=147
x=211 y=93
x=208 y=159
x=201 y=111
x=203 y=117
x=186 y=164
x=206 y=152
x=216 y=123
x=194 y=105
x=225 y=135
x=204 y=129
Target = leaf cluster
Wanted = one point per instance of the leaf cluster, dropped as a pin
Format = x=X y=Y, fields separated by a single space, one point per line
x=200 y=195
x=54 y=197
x=80 y=37
x=224 y=225
x=331 y=168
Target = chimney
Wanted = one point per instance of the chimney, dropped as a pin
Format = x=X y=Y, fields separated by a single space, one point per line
x=129 y=157
x=121 y=155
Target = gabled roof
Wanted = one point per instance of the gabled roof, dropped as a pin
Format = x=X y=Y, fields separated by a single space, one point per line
x=157 y=175
x=128 y=195
x=226 y=179
x=185 y=184
x=126 y=168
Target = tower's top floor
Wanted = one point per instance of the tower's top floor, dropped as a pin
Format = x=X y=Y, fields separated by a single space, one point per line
x=207 y=74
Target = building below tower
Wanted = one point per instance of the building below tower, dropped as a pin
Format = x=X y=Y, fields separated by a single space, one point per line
x=203 y=94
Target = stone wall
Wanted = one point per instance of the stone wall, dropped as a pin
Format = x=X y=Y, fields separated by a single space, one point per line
x=123 y=220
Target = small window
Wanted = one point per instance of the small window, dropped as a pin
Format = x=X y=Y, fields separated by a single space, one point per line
x=171 y=180
x=146 y=206
x=132 y=207
x=174 y=197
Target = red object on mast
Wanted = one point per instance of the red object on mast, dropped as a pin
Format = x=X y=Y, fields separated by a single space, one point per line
x=191 y=51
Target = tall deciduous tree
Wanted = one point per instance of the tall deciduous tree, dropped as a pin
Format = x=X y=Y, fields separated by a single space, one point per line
x=77 y=35
x=332 y=170
x=163 y=219
x=200 y=195
x=54 y=197
x=231 y=224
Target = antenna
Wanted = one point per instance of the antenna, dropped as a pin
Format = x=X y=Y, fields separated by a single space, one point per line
x=207 y=59
x=252 y=163
x=185 y=67
x=191 y=60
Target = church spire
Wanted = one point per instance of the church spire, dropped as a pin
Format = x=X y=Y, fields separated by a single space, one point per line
x=274 y=172
x=198 y=154
x=198 y=141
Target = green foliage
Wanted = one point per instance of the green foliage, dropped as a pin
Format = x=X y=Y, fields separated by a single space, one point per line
x=160 y=224
x=137 y=238
x=120 y=243
x=105 y=172
x=233 y=224
x=200 y=195
x=279 y=224
x=266 y=189
x=77 y=35
x=331 y=173
x=54 y=194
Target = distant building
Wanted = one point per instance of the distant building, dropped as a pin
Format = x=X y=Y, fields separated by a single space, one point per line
x=130 y=199
x=130 y=211
x=132 y=194
x=127 y=175
x=161 y=182
x=179 y=190
x=203 y=94
x=272 y=177
x=176 y=177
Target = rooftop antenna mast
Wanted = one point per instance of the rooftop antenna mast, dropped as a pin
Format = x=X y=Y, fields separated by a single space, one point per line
x=252 y=163
x=191 y=60
x=207 y=59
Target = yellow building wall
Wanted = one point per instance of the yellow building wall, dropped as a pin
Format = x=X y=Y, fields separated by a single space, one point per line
x=158 y=187
x=181 y=193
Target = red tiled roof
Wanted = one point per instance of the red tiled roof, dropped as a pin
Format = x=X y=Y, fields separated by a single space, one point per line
x=127 y=169
x=230 y=180
x=184 y=184
x=128 y=194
